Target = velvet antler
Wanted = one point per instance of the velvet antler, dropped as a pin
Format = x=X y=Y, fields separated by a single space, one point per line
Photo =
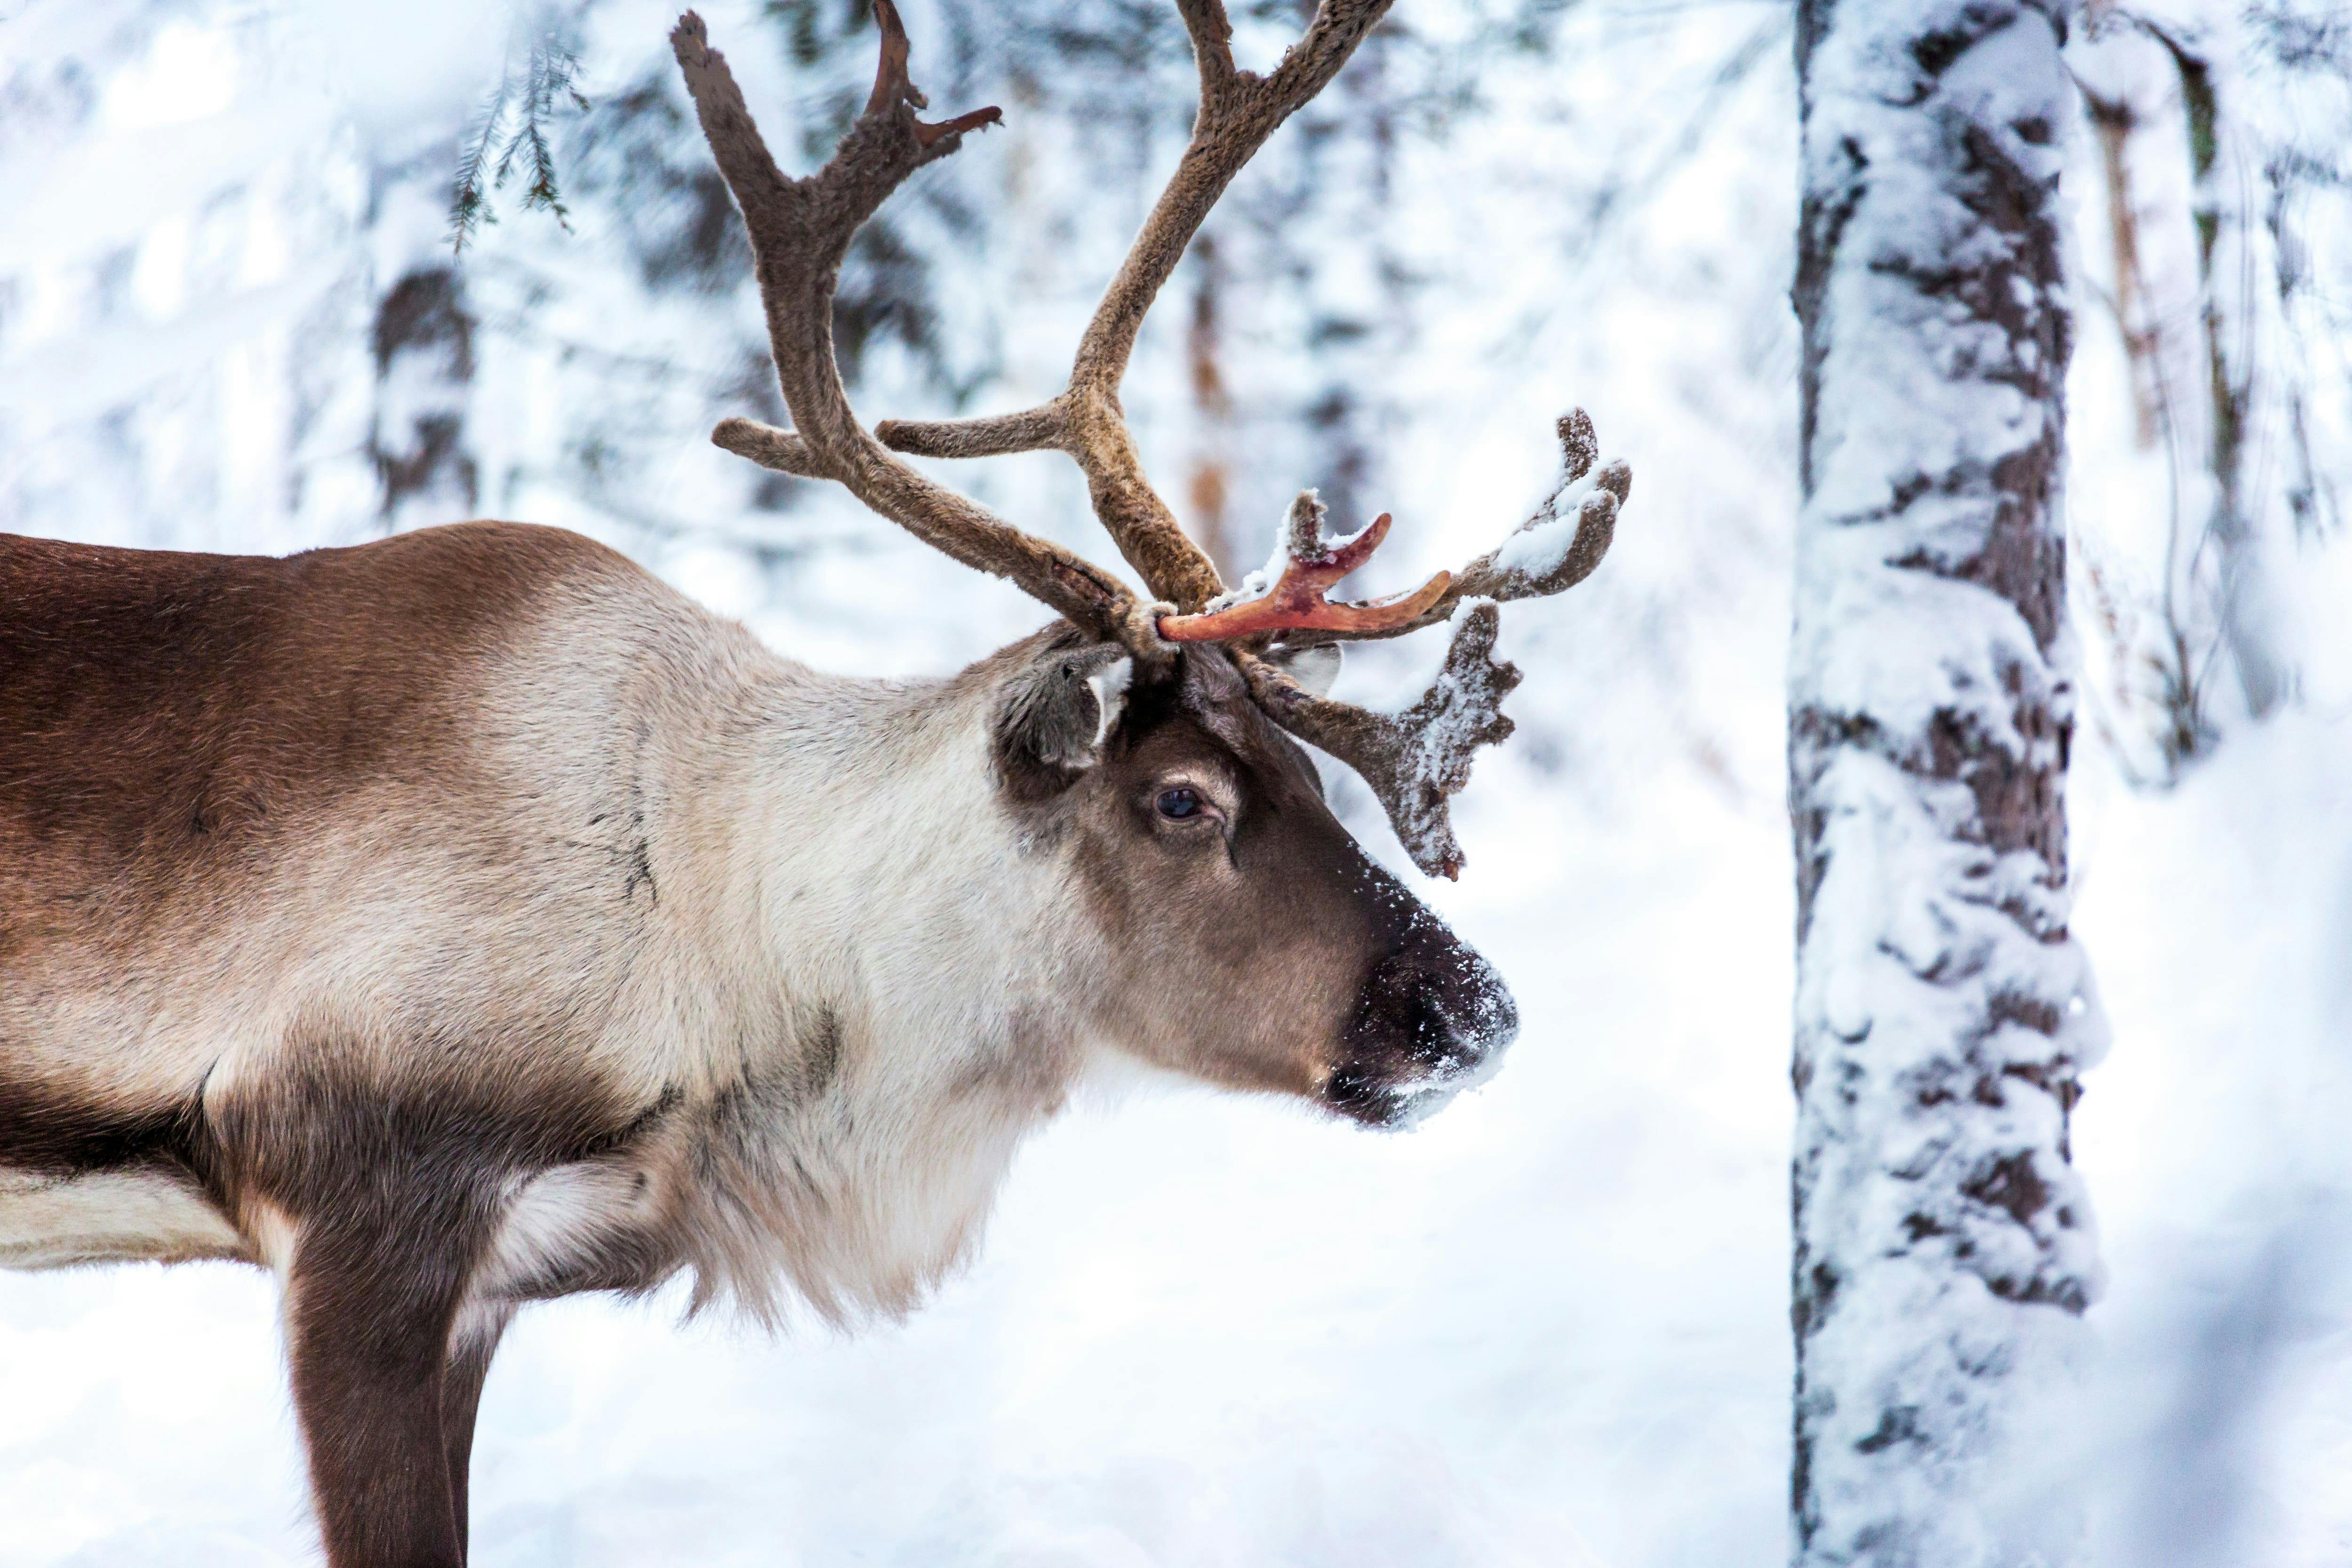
x=1553 y=551
x=800 y=230
x=1416 y=760
x=1306 y=566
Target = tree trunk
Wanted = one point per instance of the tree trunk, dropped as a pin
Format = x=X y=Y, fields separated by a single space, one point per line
x=2245 y=604
x=422 y=340
x=1943 y=1246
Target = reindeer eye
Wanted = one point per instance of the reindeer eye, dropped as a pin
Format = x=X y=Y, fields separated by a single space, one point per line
x=1180 y=804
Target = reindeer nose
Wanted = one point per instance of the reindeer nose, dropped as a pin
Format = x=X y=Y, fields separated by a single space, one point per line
x=1432 y=1020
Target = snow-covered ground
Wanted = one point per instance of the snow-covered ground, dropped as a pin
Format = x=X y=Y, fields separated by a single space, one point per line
x=2218 y=1144
x=1550 y=1326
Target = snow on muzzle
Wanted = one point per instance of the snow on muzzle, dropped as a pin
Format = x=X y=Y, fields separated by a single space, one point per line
x=1432 y=1020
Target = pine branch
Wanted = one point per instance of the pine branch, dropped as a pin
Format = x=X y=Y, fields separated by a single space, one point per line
x=468 y=206
x=514 y=119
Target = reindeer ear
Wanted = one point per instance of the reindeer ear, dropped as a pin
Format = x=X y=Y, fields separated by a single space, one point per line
x=1056 y=714
x=1313 y=667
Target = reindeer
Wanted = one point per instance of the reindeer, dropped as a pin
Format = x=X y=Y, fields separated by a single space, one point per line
x=466 y=920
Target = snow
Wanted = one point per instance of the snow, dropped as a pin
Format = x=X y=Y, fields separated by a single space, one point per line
x=1540 y=545
x=1936 y=646
x=2222 y=918
x=1259 y=584
x=1548 y=1326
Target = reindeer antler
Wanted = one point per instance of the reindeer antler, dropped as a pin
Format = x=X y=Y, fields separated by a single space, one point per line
x=1305 y=566
x=1239 y=110
x=800 y=231
x=1550 y=552
x=1416 y=760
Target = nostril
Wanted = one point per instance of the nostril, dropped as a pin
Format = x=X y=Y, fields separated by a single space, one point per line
x=1462 y=998
x=1434 y=1035
x=1431 y=1032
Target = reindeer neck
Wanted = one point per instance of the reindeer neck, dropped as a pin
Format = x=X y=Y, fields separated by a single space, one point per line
x=871 y=952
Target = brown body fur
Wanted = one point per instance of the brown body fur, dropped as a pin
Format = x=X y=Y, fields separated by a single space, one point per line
x=228 y=778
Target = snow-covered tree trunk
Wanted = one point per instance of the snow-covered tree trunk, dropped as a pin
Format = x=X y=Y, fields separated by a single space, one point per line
x=1943 y=1246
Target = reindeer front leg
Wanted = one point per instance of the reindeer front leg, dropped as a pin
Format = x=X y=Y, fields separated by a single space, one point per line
x=370 y=1303
x=470 y=1350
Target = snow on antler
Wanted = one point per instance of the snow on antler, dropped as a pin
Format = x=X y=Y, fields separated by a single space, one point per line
x=1413 y=761
x=1554 y=550
x=1559 y=546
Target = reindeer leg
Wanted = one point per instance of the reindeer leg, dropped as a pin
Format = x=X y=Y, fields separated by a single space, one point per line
x=476 y=1342
x=370 y=1305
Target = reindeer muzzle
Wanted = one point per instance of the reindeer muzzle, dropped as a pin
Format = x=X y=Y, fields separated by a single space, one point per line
x=1432 y=1020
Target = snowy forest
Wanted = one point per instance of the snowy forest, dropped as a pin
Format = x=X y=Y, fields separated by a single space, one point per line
x=1924 y=863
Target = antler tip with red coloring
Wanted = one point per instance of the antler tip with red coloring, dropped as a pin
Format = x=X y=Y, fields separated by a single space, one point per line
x=1310 y=566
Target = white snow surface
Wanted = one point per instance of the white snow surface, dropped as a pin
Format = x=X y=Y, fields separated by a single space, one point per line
x=1548 y=1328
x=1537 y=547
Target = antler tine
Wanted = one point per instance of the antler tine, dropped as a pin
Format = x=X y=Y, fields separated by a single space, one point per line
x=800 y=230
x=1239 y=110
x=1415 y=760
x=1309 y=564
x=1037 y=429
x=1553 y=551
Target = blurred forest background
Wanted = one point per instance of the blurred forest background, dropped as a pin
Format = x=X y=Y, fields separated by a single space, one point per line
x=1550 y=1328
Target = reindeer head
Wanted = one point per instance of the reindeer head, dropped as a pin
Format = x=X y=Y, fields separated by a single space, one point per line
x=1245 y=937
x=1254 y=942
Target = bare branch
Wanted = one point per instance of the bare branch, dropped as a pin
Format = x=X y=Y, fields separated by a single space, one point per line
x=1416 y=760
